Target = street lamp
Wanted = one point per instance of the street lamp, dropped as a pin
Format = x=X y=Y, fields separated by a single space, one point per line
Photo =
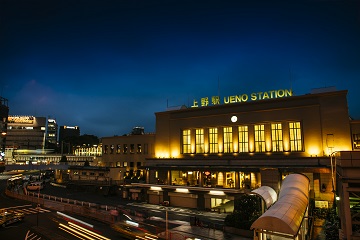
x=333 y=170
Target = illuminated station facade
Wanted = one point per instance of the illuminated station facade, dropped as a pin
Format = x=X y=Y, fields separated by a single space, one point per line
x=211 y=153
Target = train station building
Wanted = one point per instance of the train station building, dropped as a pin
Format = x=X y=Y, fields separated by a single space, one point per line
x=210 y=153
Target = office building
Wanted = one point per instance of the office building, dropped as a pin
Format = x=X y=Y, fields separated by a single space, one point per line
x=26 y=132
x=68 y=132
x=128 y=153
x=65 y=134
x=4 y=112
x=52 y=132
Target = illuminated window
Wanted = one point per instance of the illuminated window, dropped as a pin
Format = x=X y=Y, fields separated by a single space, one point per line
x=295 y=136
x=138 y=148
x=259 y=138
x=199 y=139
x=112 y=148
x=118 y=148
x=125 y=148
x=356 y=141
x=118 y=164
x=213 y=140
x=186 y=141
x=106 y=149
x=132 y=148
x=125 y=164
x=228 y=140
x=243 y=139
x=276 y=137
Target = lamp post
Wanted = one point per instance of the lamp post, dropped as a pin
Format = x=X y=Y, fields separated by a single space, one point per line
x=333 y=173
x=333 y=170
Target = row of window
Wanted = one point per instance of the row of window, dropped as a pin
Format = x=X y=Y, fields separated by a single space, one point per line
x=124 y=149
x=125 y=164
x=243 y=143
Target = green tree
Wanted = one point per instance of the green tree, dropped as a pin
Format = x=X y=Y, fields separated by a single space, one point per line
x=246 y=210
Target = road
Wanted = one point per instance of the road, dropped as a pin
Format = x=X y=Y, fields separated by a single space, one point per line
x=45 y=219
x=157 y=214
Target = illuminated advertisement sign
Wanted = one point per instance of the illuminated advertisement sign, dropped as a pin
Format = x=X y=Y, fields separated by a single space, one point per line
x=71 y=127
x=21 y=119
x=215 y=100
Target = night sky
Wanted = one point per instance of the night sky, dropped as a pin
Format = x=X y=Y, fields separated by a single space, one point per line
x=108 y=66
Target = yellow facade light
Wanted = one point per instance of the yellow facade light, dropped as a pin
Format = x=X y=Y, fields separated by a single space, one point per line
x=182 y=190
x=219 y=193
x=155 y=188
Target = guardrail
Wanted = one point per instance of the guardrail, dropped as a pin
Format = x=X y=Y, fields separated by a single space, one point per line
x=86 y=209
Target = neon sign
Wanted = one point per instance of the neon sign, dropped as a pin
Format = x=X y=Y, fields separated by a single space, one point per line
x=215 y=100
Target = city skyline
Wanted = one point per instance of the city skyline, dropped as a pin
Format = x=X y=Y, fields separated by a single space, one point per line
x=109 y=66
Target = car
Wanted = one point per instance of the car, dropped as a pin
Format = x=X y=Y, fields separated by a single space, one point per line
x=7 y=218
x=35 y=186
x=131 y=230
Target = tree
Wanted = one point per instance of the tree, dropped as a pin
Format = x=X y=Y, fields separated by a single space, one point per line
x=246 y=210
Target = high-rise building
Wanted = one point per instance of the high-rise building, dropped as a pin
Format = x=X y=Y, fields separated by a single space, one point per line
x=66 y=132
x=52 y=131
x=26 y=132
x=4 y=111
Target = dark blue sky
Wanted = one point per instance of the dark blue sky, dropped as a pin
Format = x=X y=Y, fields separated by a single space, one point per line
x=109 y=65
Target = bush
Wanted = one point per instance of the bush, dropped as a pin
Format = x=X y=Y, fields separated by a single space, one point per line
x=246 y=210
x=320 y=213
x=332 y=225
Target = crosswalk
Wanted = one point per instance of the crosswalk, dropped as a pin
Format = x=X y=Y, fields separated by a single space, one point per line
x=25 y=209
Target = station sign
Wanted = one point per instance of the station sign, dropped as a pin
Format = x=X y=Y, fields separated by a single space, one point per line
x=255 y=96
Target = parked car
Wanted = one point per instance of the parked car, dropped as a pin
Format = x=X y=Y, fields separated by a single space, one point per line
x=7 y=218
x=35 y=186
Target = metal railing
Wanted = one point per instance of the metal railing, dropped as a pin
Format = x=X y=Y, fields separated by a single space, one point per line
x=86 y=209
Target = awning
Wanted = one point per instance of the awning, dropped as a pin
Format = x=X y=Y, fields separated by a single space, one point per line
x=286 y=215
x=267 y=194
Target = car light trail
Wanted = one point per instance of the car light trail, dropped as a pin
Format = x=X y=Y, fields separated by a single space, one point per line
x=91 y=233
x=74 y=219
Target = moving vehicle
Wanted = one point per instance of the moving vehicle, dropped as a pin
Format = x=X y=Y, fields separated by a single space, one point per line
x=131 y=230
x=7 y=218
x=35 y=186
